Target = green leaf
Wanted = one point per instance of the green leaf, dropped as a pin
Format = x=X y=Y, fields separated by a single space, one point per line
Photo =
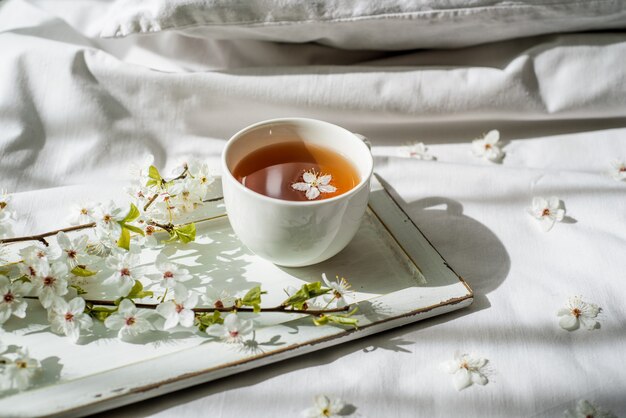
x=306 y=292
x=134 y=229
x=124 y=240
x=253 y=298
x=155 y=177
x=101 y=313
x=183 y=233
x=82 y=271
x=137 y=292
x=133 y=214
x=186 y=233
x=208 y=319
x=79 y=289
x=338 y=319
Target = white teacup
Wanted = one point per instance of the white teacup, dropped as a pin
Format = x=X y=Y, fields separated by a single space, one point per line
x=294 y=233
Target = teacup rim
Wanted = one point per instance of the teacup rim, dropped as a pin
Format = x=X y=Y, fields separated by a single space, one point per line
x=226 y=171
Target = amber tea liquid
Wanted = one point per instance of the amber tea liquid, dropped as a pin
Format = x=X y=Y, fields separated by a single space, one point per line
x=279 y=171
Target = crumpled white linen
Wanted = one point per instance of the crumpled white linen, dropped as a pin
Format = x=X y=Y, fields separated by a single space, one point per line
x=75 y=111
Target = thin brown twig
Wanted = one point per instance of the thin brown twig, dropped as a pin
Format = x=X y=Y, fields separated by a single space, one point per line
x=41 y=237
x=278 y=309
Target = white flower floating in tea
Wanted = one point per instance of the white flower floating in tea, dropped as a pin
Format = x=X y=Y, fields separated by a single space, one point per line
x=487 y=147
x=325 y=407
x=547 y=211
x=314 y=184
x=466 y=370
x=585 y=409
x=578 y=313
x=618 y=170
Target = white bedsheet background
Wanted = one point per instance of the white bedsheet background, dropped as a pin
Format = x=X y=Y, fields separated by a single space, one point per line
x=75 y=111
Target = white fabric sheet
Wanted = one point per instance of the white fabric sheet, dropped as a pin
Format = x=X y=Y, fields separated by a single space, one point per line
x=75 y=111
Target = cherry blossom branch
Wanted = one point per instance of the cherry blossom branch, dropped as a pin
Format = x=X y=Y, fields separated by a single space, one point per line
x=41 y=237
x=278 y=309
x=163 y=181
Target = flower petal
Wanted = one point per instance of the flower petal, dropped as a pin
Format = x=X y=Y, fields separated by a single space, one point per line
x=309 y=177
x=312 y=193
x=462 y=379
x=568 y=322
x=327 y=188
x=325 y=179
x=303 y=187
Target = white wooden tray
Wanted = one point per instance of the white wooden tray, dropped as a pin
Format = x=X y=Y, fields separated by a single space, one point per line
x=396 y=273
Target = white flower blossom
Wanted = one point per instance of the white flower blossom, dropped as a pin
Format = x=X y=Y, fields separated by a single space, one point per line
x=82 y=213
x=10 y=299
x=125 y=271
x=418 y=151
x=107 y=218
x=340 y=289
x=69 y=318
x=547 y=211
x=585 y=409
x=201 y=174
x=171 y=276
x=232 y=330
x=314 y=184
x=618 y=170
x=487 y=147
x=35 y=260
x=18 y=370
x=324 y=408
x=52 y=285
x=179 y=311
x=187 y=194
x=466 y=370
x=73 y=251
x=129 y=320
x=218 y=299
x=148 y=240
x=578 y=313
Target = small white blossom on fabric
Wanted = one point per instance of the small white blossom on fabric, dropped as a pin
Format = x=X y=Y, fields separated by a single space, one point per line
x=10 y=299
x=466 y=370
x=82 y=213
x=129 y=320
x=418 y=151
x=19 y=370
x=233 y=330
x=107 y=216
x=314 y=184
x=618 y=170
x=171 y=276
x=340 y=289
x=487 y=147
x=577 y=313
x=547 y=211
x=218 y=299
x=324 y=408
x=125 y=266
x=585 y=409
x=51 y=286
x=73 y=251
x=179 y=311
x=69 y=318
